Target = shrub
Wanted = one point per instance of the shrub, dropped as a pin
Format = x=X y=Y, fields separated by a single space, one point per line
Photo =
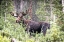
x=4 y=39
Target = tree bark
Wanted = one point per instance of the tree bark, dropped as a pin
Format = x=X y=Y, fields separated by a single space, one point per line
x=63 y=5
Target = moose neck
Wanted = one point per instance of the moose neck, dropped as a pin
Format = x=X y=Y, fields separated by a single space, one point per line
x=25 y=21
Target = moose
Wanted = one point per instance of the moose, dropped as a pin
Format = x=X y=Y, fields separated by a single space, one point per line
x=33 y=26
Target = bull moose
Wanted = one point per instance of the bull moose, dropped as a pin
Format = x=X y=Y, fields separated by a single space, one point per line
x=33 y=26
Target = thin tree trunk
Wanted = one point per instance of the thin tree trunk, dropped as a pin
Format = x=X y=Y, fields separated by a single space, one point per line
x=34 y=7
x=18 y=5
x=51 y=7
x=63 y=5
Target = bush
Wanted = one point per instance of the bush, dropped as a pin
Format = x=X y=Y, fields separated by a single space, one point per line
x=4 y=39
x=55 y=34
x=1 y=27
x=1 y=23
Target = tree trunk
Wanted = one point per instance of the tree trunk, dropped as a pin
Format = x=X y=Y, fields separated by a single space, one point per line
x=63 y=5
x=19 y=5
x=34 y=7
x=22 y=5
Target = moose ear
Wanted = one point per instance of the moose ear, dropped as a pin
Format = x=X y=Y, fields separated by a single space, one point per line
x=23 y=13
x=12 y=13
x=27 y=11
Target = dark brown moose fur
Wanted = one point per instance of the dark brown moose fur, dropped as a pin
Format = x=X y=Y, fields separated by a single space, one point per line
x=33 y=26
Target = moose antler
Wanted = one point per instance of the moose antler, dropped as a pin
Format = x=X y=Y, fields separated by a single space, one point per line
x=14 y=14
x=25 y=13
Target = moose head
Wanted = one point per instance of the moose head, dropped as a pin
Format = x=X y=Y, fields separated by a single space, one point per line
x=19 y=16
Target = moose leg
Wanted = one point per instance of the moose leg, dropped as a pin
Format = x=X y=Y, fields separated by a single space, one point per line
x=28 y=31
x=27 y=28
x=44 y=29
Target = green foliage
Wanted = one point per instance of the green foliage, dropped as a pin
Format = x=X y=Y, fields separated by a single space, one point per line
x=41 y=12
x=5 y=34
x=9 y=28
x=58 y=4
x=1 y=23
x=60 y=15
x=5 y=7
x=4 y=39
x=55 y=32
x=53 y=35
